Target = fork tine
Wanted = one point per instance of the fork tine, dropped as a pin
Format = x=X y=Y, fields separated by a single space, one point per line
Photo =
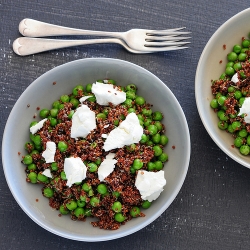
x=161 y=49
x=161 y=44
x=165 y=38
x=166 y=32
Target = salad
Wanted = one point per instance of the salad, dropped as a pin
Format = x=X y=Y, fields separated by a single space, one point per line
x=98 y=152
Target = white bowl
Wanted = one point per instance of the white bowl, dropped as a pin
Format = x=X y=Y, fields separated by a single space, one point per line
x=42 y=92
x=209 y=68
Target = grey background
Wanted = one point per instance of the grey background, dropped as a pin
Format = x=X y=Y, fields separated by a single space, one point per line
x=212 y=209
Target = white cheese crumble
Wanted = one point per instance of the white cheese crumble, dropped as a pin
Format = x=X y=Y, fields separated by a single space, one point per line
x=47 y=173
x=128 y=132
x=75 y=170
x=245 y=109
x=104 y=136
x=235 y=78
x=83 y=122
x=106 y=167
x=106 y=93
x=37 y=126
x=49 y=153
x=150 y=184
x=84 y=98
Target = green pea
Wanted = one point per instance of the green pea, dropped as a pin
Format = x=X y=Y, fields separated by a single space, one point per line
x=42 y=178
x=32 y=166
x=137 y=164
x=119 y=217
x=71 y=113
x=147 y=112
x=244 y=149
x=116 y=122
x=101 y=116
x=132 y=170
x=221 y=100
x=130 y=95
x=147 y=122
x=33 y=123
x=34 y=152
x=224 y=117
x=139 y=100
x=248 y=139
x=152 y=129
x=27 y=159
x=237 y=49
x=79 y=212
x=64 y=98
x=88 y=212
x=231 y=89
x=81 y=203
x=245 y=43
x=75 y=102
x=149 y=143
x=230 y=71
x=117 y=207
x=230 y=64
x=92 y=167
x=63 y=210
x=94 y=201
x=230 y=129
x=44 y=113
x=116 y=194
x=63 y=176
x=61 y=106
x=128 y=103
x=37 y=140
x=222 y=125
x=156 y=138
x=243 y=133
x=242 y=75
x=106 y=111
x=32 y=176
x=242 y=56
x=86 y=187
x=236 y=125
x=77 y=90
x=110 y=81
x=98 y=161
x=29 y=146
x=89 y=87
x=157 y=116
x=92 y=99
x=48 y=192
x=71 y=205
x=62 y=146
x=151 y=166
x=214 y=104
x=131 y=147
x=101 y=81
x=159 y=125
x=157 y=150
x=102 y=188
x=237 y=94
x=54 y=166
x=237 y=66
x=146 y=204
x=56 y=104
x=241 y=100
x=164 y=140
x=53 y=122
x=223 y=76
x=232 y=56
x=131 y=110
x=135 y=211
x=54 y=112
x=158 y=165
x=238 y=141
x=163 y=157
x=131 y=87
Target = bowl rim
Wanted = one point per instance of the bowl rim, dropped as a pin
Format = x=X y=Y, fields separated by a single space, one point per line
x=141 y=225
x=223 y=26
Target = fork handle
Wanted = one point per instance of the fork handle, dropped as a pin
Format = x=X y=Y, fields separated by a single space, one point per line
x=24 y=46
x=33 y=28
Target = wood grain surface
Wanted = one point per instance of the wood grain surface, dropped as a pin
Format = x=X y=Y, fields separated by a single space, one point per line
x=212 y=209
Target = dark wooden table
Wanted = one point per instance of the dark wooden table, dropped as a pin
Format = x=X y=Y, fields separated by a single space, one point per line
x=212 y=210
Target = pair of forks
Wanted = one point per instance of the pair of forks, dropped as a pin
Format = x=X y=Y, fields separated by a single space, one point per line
x=137 y=41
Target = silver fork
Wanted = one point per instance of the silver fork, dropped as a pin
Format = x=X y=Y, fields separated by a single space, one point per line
x=137 y=39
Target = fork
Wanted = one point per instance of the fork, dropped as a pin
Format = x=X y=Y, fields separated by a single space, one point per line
x=137 y=39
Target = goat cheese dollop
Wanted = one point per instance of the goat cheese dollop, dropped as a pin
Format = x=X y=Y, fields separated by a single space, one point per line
x=106 y=93
x=107 y=166
x=47 y=173
x=75 y=170
x=84 y=98
x=150 y=184
x=83 y=122
x=245 y=109
x=235 y=78
x=49 y=153
x=128 y=132
x=37 y=126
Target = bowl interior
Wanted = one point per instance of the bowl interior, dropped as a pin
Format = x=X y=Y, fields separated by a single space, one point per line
x=210 y=68
x=42 y=92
